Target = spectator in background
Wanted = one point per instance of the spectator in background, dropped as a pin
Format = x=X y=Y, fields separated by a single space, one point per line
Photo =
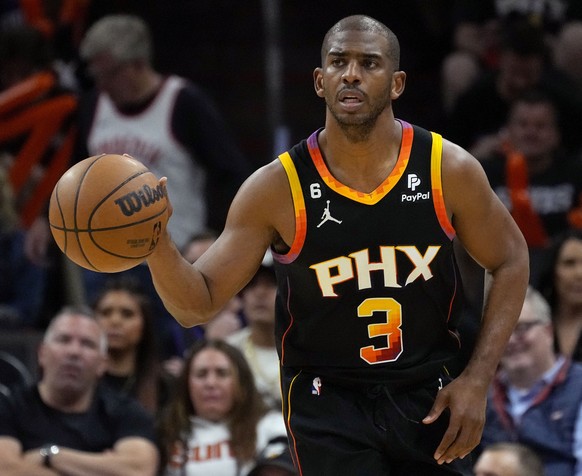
x=475 y=41
x=37 y=132
x=567 y=53
x=477 y=27
x=68 y=424
x=532 y=174
x=126 y=315
x=216 y=422
x=62 y=22
x=166 y=122
x=257 y=340
x=22 y=282
x=480 y=112
x=536 y=398
x=36 y=119
x=537 y=180
x=508 y=459
x=561 y=284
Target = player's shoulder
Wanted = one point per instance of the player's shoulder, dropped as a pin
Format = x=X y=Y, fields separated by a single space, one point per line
x=269 y=177
x=457 y=160
x=265 y=198
x=463 y=178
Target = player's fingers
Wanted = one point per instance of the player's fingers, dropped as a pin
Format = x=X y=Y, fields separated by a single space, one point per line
x=163 y=183
x=446 y=451
x=469 y=437
x=438 y=407
x=459 y=440
x=459 y=449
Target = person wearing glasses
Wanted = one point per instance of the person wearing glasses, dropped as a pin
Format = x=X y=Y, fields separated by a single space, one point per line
x=536 y=397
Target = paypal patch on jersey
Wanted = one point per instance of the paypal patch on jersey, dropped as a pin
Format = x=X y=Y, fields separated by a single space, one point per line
x=413 y=182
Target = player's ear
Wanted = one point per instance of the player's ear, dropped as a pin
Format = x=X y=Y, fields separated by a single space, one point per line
x=398 y=83
x=318 y=82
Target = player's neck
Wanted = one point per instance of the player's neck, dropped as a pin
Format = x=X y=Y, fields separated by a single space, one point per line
x=364 y=165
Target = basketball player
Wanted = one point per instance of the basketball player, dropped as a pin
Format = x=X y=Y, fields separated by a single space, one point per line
x=368 y=302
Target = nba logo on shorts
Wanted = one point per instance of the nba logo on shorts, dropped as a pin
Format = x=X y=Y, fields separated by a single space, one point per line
x=316 y=386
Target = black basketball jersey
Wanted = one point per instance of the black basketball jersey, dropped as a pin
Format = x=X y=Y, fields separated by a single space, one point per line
x=370 y=290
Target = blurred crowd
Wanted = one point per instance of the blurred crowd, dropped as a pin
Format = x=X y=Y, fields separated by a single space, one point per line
x=80 y=77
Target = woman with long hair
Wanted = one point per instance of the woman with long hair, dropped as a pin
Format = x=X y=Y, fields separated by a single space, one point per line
x=124 y=310
x=561 y=285
x=216 y=422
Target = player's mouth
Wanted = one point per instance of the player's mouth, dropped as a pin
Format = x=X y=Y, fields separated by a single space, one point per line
x=351 y=99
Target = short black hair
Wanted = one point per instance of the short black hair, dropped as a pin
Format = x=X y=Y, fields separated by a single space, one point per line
x=364 y=23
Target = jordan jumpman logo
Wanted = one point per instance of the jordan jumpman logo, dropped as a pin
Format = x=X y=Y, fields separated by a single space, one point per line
x=327 y=216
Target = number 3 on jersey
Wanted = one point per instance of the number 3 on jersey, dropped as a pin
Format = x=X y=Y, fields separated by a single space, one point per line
x=391 y=328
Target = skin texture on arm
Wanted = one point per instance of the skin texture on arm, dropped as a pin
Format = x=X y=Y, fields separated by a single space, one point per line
x=129 y=457
x=491 y=237
x=261 y=214
x=13 y=463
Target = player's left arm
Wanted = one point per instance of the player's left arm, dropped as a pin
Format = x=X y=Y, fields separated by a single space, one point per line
x=487 y=231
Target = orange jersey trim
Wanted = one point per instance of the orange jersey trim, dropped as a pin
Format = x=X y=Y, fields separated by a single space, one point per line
x=300 y=212
x=437 y=185
x=376 y=195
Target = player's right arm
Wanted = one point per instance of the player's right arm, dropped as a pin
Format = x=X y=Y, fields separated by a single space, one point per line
x=260 y=215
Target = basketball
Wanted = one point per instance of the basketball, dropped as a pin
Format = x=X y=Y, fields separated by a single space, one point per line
x=107 y=212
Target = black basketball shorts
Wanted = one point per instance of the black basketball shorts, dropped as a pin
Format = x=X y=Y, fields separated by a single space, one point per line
x=369 y=431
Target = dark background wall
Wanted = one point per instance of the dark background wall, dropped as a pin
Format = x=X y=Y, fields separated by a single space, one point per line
x=220 y=44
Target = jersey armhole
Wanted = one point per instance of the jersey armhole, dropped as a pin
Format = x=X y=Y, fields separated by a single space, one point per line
x=299 y=208
x=437 y=186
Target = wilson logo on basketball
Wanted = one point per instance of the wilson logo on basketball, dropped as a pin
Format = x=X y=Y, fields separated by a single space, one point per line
x=133 y=202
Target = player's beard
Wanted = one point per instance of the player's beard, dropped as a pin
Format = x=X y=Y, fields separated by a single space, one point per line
x=357 y=128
